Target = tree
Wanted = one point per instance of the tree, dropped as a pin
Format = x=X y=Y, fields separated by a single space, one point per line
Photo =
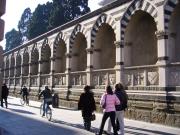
x=13 y=39
x=40 y=20
x=24 y=23
x=104 y=2
x=67 y=10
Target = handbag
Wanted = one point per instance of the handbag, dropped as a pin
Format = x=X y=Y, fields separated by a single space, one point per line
x=104 y=105
x=93 y=117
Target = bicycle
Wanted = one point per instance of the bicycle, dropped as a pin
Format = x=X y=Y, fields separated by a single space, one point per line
x=48 y=112
x=23 y=101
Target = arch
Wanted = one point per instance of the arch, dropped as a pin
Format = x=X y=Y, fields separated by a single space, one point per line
x=34 y=60
x=103 y=18
x=143 y=5
x=45 y=49
x=78 y=28
x=169 y=7
x=60 y=37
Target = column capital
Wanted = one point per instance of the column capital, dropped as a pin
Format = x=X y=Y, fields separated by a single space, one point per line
x=119 y=44
x=40 y=62
x=52 y=58
x=89 y=50
x=68 y=55
x=161 y=34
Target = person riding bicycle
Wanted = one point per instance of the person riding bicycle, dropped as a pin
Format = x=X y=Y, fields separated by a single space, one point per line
x=47 y=95
x=25 y=93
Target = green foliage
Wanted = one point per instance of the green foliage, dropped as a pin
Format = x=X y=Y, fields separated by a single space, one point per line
x=44 y=18
x=24 y=23
x=13 y=39
x=40 y=20
x=67 y=10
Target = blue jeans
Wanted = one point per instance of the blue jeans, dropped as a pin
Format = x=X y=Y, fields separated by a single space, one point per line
x=46 y=104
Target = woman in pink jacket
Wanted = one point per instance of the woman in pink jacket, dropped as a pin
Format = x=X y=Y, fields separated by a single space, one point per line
x=110 y=100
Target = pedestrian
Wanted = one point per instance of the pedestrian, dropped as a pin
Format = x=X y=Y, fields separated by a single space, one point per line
x=123 y=97
x=47 y=98
x=108 y=102
x=4 y=95
x=25 y=93
x=87 y=105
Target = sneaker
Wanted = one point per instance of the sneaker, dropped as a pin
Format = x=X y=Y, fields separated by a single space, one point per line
x=43 y=114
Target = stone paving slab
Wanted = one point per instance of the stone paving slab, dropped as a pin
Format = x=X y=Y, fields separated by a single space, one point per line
x=26 y=120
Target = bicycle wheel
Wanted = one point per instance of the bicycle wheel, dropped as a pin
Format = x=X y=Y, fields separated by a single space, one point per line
x=27 y=102
x=22 y=101
x=41 y=109
x=49 y=113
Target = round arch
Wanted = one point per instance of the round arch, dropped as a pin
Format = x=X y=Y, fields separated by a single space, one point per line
x=59 y=53
x=136 y=5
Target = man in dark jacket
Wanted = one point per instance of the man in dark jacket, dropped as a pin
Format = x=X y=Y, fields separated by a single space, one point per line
x=47 y=95
x=87 y=105
x=4 y=95
x=25 y=93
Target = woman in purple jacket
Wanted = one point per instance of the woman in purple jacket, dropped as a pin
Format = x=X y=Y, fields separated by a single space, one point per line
x=110 y=100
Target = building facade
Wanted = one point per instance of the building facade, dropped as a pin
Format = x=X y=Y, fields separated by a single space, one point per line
x=135 y=42
x=2 y=11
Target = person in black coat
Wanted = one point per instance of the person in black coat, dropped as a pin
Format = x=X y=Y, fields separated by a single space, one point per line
x=87 y=105
x=4 y=95
x=25 y=93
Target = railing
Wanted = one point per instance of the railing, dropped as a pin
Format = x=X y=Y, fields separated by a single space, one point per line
x=59 y=79
x=102 y=77
x=142 y=75
x=45 y=79
x=78 y=78
x=174 y=74
x=34 y=80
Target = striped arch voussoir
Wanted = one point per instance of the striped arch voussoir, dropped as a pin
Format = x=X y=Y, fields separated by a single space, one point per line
x=169 y=7
x=103 y=18
x=78 y=28
x=143 y=5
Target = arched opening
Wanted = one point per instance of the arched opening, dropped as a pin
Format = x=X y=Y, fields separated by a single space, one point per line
x=45 y=59
x=34 y=62
x=174 y=37
x=25 y=70
x=140 y=40
x=12 y=66
x=79 y=55
x=60 y=57
x=104 y=55
x=18 y=65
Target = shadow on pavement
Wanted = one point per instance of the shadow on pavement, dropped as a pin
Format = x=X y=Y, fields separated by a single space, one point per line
x=31 y=126
x=14 y=104
x=150 y=132
x=21 y=111
x=93 y=129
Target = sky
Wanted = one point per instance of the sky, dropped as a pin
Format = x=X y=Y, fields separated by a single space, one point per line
x=15 y=8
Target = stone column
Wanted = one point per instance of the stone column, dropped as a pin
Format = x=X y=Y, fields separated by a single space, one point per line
x=39 y=73
x=21 y=74
x=163 y=57
x=68 y=69
x=119 y=62
x=89 y=66
x=52 y=72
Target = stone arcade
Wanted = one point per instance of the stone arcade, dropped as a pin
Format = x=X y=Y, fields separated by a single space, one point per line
x=136 y=42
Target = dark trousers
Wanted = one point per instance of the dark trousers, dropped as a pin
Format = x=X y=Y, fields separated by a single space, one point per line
x=104 y=118
x=87 y=123
x=5 y=99
x=25 y=98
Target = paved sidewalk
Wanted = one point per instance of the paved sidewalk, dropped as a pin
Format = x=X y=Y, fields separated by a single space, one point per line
x=66 y=122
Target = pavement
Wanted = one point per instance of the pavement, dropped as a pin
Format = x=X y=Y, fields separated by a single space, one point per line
x=26 y=120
